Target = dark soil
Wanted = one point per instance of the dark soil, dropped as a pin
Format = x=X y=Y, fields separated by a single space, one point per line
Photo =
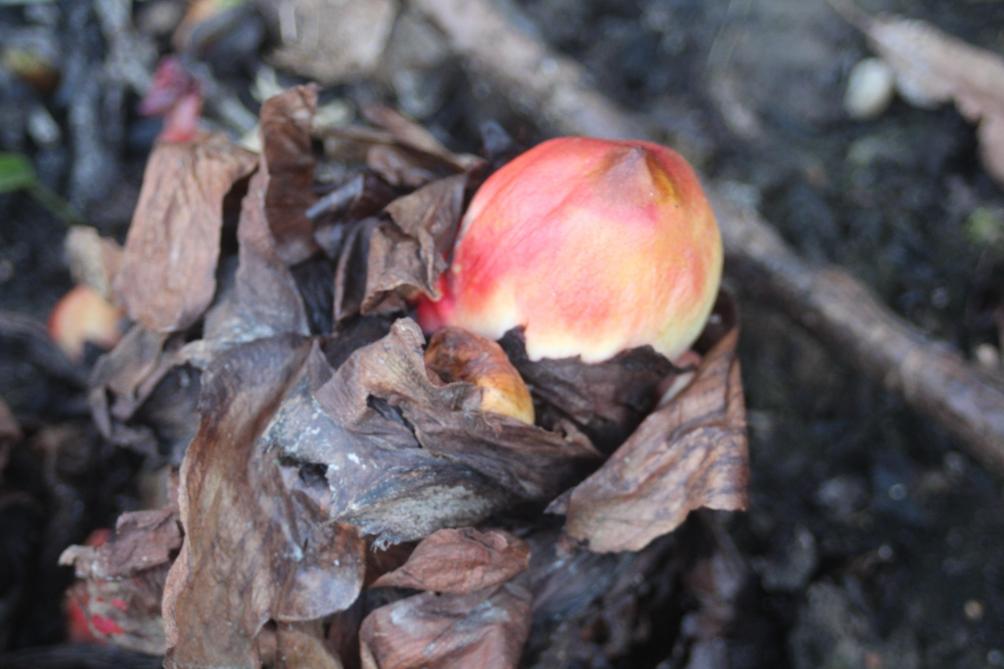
x=872 y=539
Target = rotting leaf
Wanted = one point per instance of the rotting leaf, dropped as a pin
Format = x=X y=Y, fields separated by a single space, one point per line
x=408 y=253
x=484 y=629
x=689 y=453
x=253 y=549
x=288 y=164
x=168 y=272
x=933 y=67
x=460 y=562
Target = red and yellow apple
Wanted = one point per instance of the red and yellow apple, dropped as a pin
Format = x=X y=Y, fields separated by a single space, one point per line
x=592 y=246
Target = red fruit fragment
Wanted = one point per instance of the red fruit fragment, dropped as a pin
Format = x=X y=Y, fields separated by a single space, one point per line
x=83 y=315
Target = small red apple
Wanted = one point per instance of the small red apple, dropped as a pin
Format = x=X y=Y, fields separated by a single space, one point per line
x=593 y=246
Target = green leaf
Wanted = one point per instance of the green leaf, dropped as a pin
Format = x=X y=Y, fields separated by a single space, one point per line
x=16 y=172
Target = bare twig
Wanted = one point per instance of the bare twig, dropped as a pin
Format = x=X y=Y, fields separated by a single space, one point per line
x=839 y=309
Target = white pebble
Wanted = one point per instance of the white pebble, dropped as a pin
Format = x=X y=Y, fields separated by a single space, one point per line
x=869 y=89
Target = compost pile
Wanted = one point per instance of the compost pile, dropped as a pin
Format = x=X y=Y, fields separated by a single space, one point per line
x=332 y=500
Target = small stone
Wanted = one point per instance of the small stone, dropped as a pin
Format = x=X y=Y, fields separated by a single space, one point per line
x=870 y=88
x=987 y=356
x=973 y=608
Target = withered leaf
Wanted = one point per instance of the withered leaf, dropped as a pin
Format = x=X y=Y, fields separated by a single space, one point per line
x=300 y=645
x=408 y=253
x=253 y=549
x=288 y=164
x=124 y=379
x=484 y=629
x=262 y=299
x=412 y=135
x=528 y=461
x=688 y=454
x=142 y=540
x=607 y=400
x=373 y=475
x=933 y=67
x=460 y=562
x=350 y=268
x=123 y=580
x=168 y=272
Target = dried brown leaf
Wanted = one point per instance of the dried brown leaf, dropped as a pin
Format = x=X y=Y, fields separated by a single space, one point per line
x=429 y=631
x=606 y=400
x=168 y=272
x=300 y=645
x=460 y=562
x=375 y=475
x=413 y=136
x=408 y=253
x=253 y=549
x=288 y=164
x=529 y=462
x=933 y=67
x=688 y=454
x=142 y=540
x=262 y=299
x=123 y=580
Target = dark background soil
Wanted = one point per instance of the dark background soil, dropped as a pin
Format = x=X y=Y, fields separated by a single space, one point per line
x=873 y=540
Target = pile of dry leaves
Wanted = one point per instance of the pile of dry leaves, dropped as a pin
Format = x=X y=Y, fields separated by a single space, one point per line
x=333 y=502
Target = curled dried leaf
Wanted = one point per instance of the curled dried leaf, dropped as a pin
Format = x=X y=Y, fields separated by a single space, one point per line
x=689 y=453
x=460 y=562
x=262 y=300
x=527 y=461
x=481 y=629
x=118 y=598
x=288 y=164
x=142 y=540
x=168 y=272
x=408 y=253
x=606 y=400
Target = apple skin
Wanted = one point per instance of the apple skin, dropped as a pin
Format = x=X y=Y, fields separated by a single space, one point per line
x=592 y=246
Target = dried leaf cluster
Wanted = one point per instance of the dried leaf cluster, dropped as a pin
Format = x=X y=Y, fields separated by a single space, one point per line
x=338 y=502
